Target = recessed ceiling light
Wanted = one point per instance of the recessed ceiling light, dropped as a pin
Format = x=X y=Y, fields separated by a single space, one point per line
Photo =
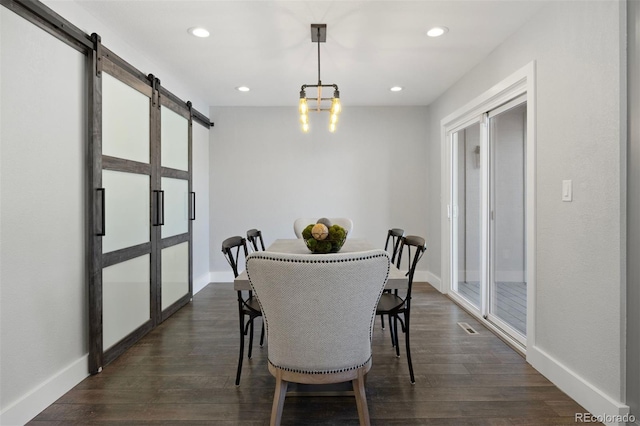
x=437 y=31
x=198 y=32
x=396 y=88
x=242 y=89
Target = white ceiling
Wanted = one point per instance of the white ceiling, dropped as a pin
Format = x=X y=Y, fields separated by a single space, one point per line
x=266 y=45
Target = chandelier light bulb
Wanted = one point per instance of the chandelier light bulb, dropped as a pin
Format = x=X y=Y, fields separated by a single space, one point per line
x=332 y=127
x=302 y=106
x=336 y=107
x=305 y=127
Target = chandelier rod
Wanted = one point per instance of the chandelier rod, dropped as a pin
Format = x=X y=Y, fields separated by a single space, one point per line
x=319 y=36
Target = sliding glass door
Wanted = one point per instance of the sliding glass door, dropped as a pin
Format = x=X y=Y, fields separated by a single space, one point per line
x=507 y=304
x=176 y=208
x=142 y=206
x=125 y=202
x=488 y=219
x=467 y=214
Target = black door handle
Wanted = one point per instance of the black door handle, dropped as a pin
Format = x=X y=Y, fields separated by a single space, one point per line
x=161 y=207
x=193 y=206
x=103 y=219
x=159 y=219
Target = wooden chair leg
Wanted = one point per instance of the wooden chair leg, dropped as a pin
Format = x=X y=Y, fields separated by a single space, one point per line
x=361 y=399
x=278 y=400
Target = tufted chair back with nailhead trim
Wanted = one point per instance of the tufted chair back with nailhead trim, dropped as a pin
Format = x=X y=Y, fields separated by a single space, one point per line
x=318 y=308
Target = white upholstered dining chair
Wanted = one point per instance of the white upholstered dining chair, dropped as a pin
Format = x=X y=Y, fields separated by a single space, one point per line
x=319 y=311
x=302 y=222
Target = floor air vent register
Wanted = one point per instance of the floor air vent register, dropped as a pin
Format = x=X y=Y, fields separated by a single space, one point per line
x=466 y=327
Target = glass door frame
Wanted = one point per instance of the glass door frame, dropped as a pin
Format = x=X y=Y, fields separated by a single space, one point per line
x=167 y=101
x=490 y=210
x=521 y=82
x=453 y=214
x=101 y=59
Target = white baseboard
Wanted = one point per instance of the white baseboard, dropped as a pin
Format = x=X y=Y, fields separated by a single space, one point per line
x=201 y=282
x=222 y=277
x=36 y=400
x=432 y=279
x=583 y=392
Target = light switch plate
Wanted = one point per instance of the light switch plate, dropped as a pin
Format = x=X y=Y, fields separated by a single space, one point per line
x=567 y=190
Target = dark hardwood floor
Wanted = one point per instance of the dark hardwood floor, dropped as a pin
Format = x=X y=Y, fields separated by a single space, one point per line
x=183 y=372
x=510 y=301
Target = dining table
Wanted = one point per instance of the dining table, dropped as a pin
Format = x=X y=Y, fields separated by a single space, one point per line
x=396 y=280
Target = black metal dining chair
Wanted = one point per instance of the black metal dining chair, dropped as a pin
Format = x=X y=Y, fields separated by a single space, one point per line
x=397 y=307
x=254 y=237
x=394 y=236
x=248 y=307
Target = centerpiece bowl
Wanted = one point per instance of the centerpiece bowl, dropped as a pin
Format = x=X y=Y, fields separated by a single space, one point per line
x=321 y=241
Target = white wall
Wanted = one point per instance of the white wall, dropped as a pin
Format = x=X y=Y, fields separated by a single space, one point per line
x=43 y=290
x=580 y=131
x=265 y=173
x=43 y=302
x=200 y=147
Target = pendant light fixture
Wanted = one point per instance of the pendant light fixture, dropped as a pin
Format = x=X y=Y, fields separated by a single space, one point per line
x=319 y=35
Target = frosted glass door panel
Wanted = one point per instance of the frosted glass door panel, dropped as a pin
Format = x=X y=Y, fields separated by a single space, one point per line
x=125 y=121
x=126 y=210
x=175 y=273
x=176 y=207
x=174 y=140
x=125 y=298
